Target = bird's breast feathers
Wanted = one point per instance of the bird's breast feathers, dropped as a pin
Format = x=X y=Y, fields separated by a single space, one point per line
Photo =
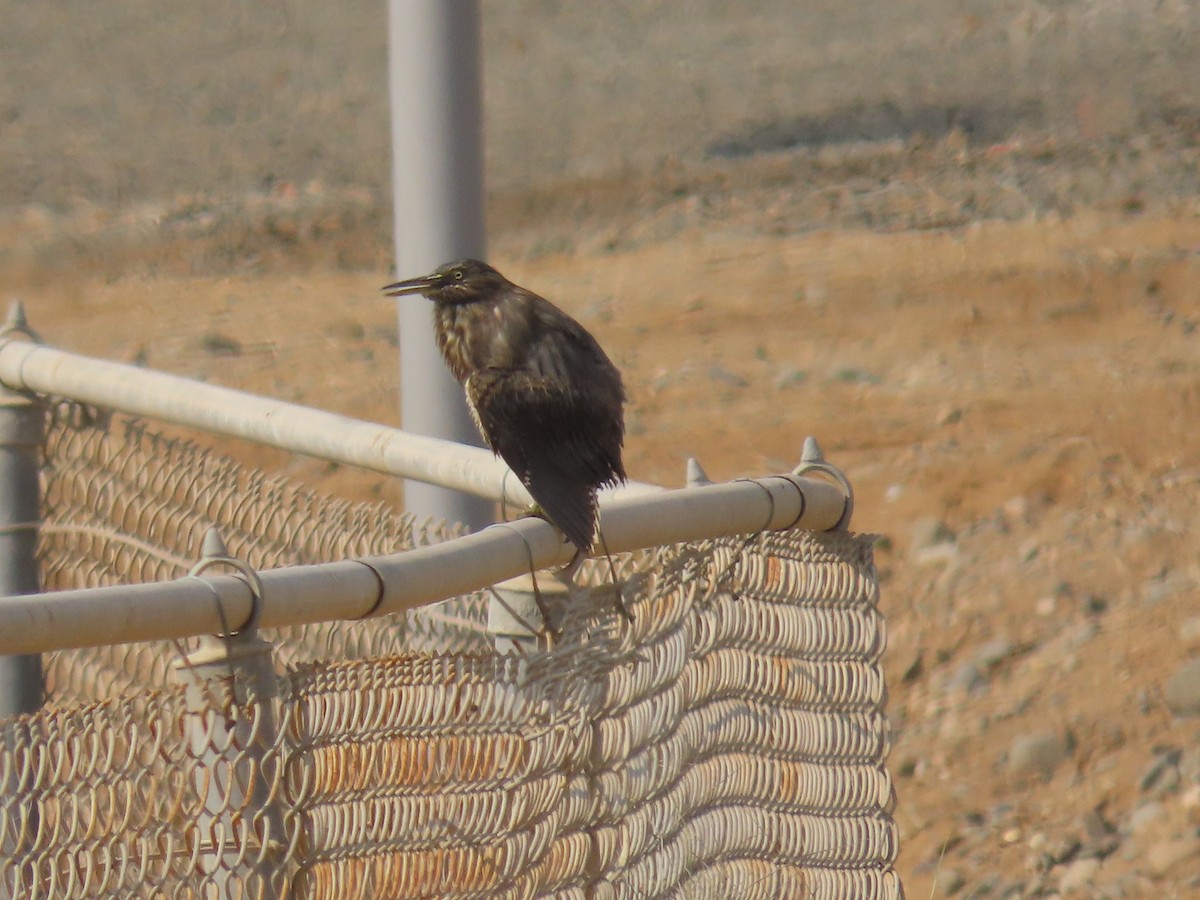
x=452 y=330
x=479 y=336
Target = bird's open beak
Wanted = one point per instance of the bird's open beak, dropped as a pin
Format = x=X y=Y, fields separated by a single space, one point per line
x=411 y=286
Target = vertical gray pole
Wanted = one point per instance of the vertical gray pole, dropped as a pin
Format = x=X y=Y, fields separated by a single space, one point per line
x=231 y=735
x=21 y=427
x=22 y=422
x=229 y=688
x=437 y=166
x=514 y=617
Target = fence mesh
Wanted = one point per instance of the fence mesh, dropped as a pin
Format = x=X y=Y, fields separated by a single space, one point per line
x=730 y=743
x=126 y=504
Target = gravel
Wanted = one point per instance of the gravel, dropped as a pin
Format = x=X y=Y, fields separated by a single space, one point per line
x=1182 y=690
x=1037 y=754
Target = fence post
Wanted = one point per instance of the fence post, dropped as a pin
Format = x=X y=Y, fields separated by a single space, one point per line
x=21 y=430
x=229 y=684
x=514 y=617
x=22 y=424
x=436 y=86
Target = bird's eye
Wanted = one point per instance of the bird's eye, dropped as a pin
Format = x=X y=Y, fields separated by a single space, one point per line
x=458 y=274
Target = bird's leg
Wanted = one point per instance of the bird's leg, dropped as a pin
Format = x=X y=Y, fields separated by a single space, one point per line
x=612 y=570
x=552 y=634
x=567 y=573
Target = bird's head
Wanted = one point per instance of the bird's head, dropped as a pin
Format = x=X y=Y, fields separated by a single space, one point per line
x=453 y=283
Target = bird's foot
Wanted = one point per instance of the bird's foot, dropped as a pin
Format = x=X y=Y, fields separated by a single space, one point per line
x=568 y=572
x=533 y=511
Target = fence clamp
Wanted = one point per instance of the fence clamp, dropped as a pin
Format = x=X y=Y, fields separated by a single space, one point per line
x=232 y=653
x=812 y=460
x=215 y=553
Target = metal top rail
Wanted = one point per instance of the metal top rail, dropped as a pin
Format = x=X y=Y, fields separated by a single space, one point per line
x=274 y=423
x=354 y=589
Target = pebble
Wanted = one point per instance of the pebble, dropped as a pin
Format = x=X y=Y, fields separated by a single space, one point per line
x=1016 y=507
x=950 y=415
x=929 y=532
x=1110 y=736
x=724 y=376
x=1064 y=849
x=993 y=653
x=936 y=554
x=1037 y=754
x=1190 y=799
x=1169 y=587
x=853 y=375
x=1189 y=760
x=1081 y=634
x=1077 y=876
x=1029 y=550
x=1189 y=631
x=1163 y=858
x=1095 y=604
x=1096 y=827
x=1162 y=776
x=1144 y=817
x=950 y=882
x=215 y=344
x=915 y=670
x=1182 y=691
x=966 y=679
x=790 y=378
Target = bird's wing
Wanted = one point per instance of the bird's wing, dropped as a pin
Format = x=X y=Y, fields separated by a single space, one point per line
x=564 y=350
x=557 y=443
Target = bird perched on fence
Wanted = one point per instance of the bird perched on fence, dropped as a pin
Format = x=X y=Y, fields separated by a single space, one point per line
x=543 y=393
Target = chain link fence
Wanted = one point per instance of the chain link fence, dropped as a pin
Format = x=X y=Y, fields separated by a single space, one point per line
x=125 y=504
x=732 y=742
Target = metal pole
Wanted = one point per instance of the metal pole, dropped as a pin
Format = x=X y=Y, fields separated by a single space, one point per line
x=382 y=585
x=231 y=729
x=148 y=394
x=21 y=428
x=514 y=617
x=21 y=684
x=229 y=686
x=437 y=164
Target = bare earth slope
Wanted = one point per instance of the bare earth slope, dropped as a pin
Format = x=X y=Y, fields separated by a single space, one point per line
x=1015 y=404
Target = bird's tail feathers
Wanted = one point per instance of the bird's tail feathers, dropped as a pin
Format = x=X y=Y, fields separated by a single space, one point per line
x=570 y=506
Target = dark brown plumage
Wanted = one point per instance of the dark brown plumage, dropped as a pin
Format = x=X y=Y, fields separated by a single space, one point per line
x=545 y=396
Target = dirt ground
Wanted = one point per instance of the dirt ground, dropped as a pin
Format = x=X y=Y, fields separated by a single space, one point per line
x=1014 y=401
